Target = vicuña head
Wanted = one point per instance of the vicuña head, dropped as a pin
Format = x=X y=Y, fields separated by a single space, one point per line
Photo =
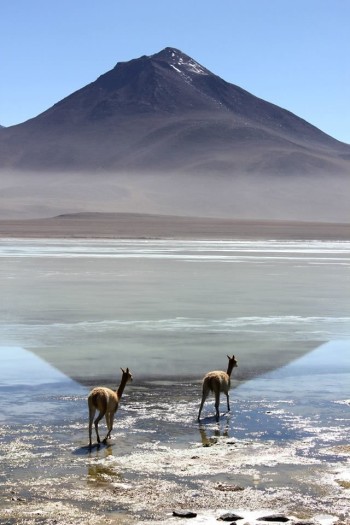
x=106 y=401
x=218 y=381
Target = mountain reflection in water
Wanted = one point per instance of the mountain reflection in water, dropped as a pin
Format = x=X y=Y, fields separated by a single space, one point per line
x=307 y=385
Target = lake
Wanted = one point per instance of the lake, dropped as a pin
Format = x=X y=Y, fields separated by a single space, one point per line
x=74 y=311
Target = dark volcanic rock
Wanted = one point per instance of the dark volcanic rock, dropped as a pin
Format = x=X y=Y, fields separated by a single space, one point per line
x=229 y=516
x=224 y=487
x=274 y=518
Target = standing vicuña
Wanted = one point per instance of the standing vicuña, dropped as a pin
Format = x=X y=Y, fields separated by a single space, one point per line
x=217 y=382
x=106 y=401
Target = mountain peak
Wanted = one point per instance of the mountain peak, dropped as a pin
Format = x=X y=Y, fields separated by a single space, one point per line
x=167 y=112
x=169 y=53
x=179 y=61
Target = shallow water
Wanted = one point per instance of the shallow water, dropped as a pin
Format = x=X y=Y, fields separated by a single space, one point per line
x=275 y=442
x=171 y=311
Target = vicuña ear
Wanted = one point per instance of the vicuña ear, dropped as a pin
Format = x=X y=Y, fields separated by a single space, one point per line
x=122 y=370
x=127 y=370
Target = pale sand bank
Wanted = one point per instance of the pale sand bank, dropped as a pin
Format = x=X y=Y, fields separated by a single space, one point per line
x=138 y=226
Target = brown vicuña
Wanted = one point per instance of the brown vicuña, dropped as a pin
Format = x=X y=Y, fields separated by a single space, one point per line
x=106 y=401
x=218 y=381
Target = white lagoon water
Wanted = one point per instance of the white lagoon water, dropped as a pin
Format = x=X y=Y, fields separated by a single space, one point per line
x=171 y=307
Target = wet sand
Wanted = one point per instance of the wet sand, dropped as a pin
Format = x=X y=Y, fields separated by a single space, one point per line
x=139 y=226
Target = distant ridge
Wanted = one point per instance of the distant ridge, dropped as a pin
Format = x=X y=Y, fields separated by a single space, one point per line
x=148 y=226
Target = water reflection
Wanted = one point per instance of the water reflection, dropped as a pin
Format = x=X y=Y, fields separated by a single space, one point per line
x=298 y=400
x=102 y=470
x=320 y=375
x=21 y=368
x=308 y=399
x=39 y=392
x=210 y=436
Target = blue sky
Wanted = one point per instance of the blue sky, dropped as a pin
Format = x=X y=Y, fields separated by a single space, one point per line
x=294 y=53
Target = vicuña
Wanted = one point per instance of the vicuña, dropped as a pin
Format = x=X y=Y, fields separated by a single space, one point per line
x=106 y=401
x=218 y=381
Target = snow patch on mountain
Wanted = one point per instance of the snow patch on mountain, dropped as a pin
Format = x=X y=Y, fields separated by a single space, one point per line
x=192 y=66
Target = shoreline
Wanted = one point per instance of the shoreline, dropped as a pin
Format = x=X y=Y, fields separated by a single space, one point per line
x=145 y=226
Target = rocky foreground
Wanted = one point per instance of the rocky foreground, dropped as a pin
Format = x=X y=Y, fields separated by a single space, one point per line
x=207 y=483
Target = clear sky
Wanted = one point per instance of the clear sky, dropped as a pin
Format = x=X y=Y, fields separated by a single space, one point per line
x=294 y=53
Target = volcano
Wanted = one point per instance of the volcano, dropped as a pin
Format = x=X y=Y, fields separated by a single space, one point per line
x=166 y=112
x=162 y=134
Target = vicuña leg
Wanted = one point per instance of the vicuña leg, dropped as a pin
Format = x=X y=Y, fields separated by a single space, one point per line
x=228 y=401
x=217 y=404
x=205 y=394
x=92 y=412
x=109 y=421
x=97 y=420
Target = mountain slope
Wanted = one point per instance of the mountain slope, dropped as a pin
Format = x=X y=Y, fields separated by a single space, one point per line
x=166 y=112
